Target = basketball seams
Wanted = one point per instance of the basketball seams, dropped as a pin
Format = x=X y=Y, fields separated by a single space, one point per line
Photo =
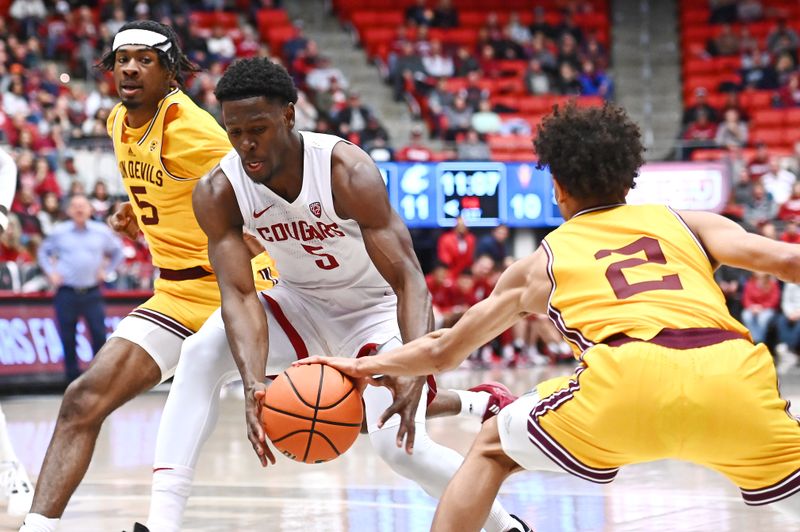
x=337 y=403
x=297 y=392
x=316 y=411
x=305 y=418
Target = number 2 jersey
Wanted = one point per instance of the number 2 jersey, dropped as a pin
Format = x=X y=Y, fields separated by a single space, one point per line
x=316 y=251
x=632 y=270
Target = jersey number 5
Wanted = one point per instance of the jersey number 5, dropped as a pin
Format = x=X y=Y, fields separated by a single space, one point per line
x=326 y=262
x=152 y=219
x=652 y=250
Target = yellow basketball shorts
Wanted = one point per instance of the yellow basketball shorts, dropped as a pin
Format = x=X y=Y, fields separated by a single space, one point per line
x=717 y=406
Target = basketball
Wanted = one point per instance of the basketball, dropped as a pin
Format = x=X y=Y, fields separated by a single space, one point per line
x=312 y=413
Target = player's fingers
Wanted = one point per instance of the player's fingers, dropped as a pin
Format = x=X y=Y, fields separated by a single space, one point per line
x=411 y=432
x=259 y=395
x=401 y=434
x=269 y=455
x=310 y=360
x=393 y=409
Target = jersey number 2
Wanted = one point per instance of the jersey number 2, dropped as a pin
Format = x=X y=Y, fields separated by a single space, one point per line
x=652 y=250
x=326 y=262
x=152 y=219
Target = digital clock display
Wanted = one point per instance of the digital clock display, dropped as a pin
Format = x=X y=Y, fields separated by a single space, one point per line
x=474 y=191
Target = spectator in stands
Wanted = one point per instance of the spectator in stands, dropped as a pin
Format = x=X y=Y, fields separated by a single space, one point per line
x=761 y=299
x=415 y=150
x=778 y=182
x=732 y=102
x=322 y=72
x=568 y=28
x=305 y=114
x=76 y=257
x=355 y=114
x=790 y=232
x=785 y=68
x=379 y=150
x=408 y=69
x=506 y=48
x=26 y=207
x=732 y=131
x=220 y=45
x=440 y=286
x=333 y=100
x=592 y=50
x=782 y=38
x=699 y=134
x=567 y=82
x=456 y=248
x=568 y=51
x=793 y=160
x=472 y=148
x=540 y=24
x=419 y=14
x=517 y=30
x=436 y=63
x=723 y=11
x=296 y=44
x=485 y=120
x=489 y=66
x=790 y=210
x=44 y=178
x=495 y=245
x=538 y=50
x=422 y=42
x=50 y=214
x=595 y=82
x=29 y=14
x=749 y=11
x=249 y=45
x=445 y=15
x=99 y=98
x=725 y=44
x=373 y=131
x=15 y=101
x=458 y=117
x=537 y=81
x=67 y=172
x=758 y=165
x=700 y=102
x=760 y=207
x=117 y=20
x=789 y=94
x=11 y=247
x=789 y=320
x=730 y=280
x=465 y=62
x=100 y=201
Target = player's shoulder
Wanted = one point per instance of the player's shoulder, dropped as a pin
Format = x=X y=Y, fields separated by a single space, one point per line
x=112 y=116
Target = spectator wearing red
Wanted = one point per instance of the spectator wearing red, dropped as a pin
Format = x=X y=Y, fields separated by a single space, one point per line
x=762 y=295
x=758 y=165
x=789 y=94
x=45 y=178
x=700 y=102
x=790 y=233
x=441 y=287
x=701 y=130
x=415 y=150
x=11 y=247
x=790 y=210
x=483 y=277
x=456 y=248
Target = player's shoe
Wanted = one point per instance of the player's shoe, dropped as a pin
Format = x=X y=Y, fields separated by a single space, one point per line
x=523 y=526
x=499 y=398
x=17 y=488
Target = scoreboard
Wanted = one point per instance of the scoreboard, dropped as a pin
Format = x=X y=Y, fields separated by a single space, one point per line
x=486 y=194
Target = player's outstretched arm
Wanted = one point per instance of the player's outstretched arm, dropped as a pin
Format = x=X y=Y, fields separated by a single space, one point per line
x=218 y=214
x=388 y=243
x=728 y=243
x=522 y=289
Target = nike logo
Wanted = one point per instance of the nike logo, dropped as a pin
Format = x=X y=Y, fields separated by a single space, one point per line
x=257 y=214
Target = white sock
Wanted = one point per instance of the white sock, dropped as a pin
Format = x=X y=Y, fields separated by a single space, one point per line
x=39 y=523
x=473 y=403
x=7 y=453
x=168 y=497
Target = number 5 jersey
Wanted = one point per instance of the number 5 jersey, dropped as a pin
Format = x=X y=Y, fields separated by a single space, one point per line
x=315 y=249
x=631 y=270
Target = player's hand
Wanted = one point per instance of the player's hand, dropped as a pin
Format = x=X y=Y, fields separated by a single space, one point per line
x=407 y=392
x=124 y=221
x=348 y=366
x=254 y=398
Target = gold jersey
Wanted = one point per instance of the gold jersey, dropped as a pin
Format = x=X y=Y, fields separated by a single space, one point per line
x=632 y=270
x=160 y=164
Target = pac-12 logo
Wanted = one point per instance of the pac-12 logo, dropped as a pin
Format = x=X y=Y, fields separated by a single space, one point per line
x=153 y=145
x=315 y=208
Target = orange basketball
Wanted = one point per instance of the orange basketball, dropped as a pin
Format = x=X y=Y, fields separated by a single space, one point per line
x=312 y=413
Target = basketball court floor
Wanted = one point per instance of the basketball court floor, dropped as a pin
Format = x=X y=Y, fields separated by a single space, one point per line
x=358 y=492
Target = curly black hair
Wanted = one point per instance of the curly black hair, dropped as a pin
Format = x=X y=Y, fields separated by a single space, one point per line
x=594 y=153
x=258 y=76
x=173 y=59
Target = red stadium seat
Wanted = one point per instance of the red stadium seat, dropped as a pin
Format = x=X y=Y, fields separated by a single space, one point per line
x=768 y=118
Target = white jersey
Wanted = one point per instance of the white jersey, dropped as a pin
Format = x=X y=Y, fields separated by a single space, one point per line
x=314 y=250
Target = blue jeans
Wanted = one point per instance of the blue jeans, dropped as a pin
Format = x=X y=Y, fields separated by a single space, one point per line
x=789 y=332
x=757 y=323
x=72 y=303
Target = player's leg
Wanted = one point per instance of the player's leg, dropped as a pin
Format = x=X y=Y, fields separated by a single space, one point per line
x=121 y=371
x=467 y=501
x=205 y=365
x=15 y=486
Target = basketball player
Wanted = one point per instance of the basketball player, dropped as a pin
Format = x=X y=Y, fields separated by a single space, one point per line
x=15 y=486
x=350 y=283
x=163 y=143
x=665 y=371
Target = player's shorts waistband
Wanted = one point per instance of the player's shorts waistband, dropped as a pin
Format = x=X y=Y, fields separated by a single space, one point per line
x=186 y=274
x=680 y=338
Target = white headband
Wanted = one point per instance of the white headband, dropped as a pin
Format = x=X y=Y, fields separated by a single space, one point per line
x=148 y=38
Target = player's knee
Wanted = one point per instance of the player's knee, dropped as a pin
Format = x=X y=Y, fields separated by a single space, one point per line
x=84 y=403
x=487 y=444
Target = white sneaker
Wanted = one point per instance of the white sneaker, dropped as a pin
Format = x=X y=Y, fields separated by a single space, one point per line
x=17 y=488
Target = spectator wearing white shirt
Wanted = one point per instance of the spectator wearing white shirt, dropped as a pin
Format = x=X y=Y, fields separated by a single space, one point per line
x=778 y=182
x=436 y=63
x=319 y=78
x=220 y=44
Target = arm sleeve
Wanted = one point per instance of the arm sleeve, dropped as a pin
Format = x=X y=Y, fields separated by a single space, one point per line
x=8 y=186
